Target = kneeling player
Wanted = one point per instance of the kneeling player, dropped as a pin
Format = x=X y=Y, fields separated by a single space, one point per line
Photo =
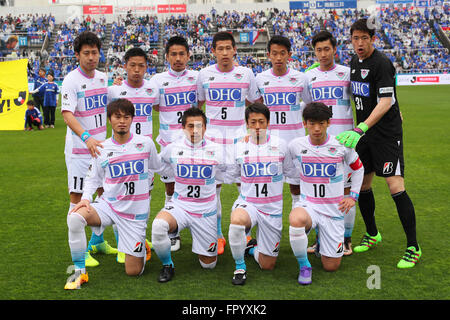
x=322 y=161
x=193 y=161
x=261 y=163
x=122 y=168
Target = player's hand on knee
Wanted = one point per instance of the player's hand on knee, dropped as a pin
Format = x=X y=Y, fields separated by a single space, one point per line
x=82 y=204
x=350 y=138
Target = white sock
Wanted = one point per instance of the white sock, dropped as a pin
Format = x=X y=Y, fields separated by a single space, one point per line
x=219 y=213
x=349 y=221
x=295 y=198
x=256 y=255
x=77 y=240
x=168 y=198
x=299 y=244
x=238 y=243
x=161 y=241
x=211 y=265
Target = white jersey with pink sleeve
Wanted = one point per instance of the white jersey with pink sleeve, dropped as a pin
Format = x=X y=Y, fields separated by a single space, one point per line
x=196 y=169
x=283 y=95
x=262 y=169
x=175 y=93
x=143 y=99
x=332 y=88
x=225 y=94
x=86 y=98
x=123 y=171
x=322 y=173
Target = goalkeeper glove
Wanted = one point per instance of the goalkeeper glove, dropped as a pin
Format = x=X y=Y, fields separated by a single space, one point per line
x=350 y=138
x=314 y=65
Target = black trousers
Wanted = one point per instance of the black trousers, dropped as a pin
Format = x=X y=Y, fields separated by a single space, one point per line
x=49 y=115
x=31 y=122
x=38 y=101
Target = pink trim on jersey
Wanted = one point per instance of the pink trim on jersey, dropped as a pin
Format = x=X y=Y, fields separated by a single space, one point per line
x=265 y=199
x=119 y=144
x=322 y=159
x=138 y=156
x=80 y=151
x=134 y=197
x=314 y=179
x=292 y=126
x=256 y=179
x=180 y=89
x=197 y=161
x=283 y=89
x=175 y=126
x=141 y=100
x=195 y=182
x=93 y=112
x=97 y=130
x=174 y=75
x=217 y=68
x=227 y=123
x=220 y=140
x=163 y=143
x=286 y=107
x=93 y=92
x=328 y=102
x=220 y=104
x=140 y=119
x=341 y=121
x=330 y=83
x=181 y=107
x=263 y=159
x=226 y=85
x=121 y=214
x=149 y=135
x=271 y=71
x=130 y=86
x=334 y=67
x=324 y=200
x=197 y=200
x=84 y=74
x=133 y=177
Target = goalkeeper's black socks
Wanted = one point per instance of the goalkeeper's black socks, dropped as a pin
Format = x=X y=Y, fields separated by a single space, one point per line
x=407 y=215
x=366 y=204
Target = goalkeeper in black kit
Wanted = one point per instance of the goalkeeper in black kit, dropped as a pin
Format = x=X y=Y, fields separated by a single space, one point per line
x=378 y=138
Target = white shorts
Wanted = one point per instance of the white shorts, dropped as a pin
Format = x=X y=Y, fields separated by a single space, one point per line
x=293 y=181
x=203 y=228
x=331 y=230
x=132 y=233
x=77 y=169
x=268 y=234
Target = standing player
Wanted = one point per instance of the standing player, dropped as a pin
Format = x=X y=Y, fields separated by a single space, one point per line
x=176 y=91
x=122 y=168
x=83 y=107
x=321 y=161
x=329 y=83
x=378 y=138
x=283 y=90
x=196 y=164
x=137 y=90
x=225 y=89
x=261 y=164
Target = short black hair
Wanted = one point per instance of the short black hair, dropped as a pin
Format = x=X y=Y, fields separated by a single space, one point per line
x=361 y=25
x=257 y=107
x=177 y=40
x=323 y=35
x=135 y=52
x=192 y=112
x=317 y=111
x=223 y=36
x=280 y=40
x=123 y=105
x=30 y=103
x=86 y=38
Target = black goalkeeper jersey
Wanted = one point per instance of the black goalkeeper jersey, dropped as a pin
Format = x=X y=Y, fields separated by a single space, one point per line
x=372 y=79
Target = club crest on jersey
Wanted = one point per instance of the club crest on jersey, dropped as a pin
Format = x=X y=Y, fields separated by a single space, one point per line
x=332 y=150
x=191 y=79
x=149 y=91
x=212 y=247
x=139 y=146
x=340 y=75
x=364 y=73
x=238 y=76
x=292 y=80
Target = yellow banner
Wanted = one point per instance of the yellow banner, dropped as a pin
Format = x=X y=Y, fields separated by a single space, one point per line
x=13 y=94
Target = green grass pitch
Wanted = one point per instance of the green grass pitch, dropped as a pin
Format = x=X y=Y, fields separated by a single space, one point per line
x=35 y=253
